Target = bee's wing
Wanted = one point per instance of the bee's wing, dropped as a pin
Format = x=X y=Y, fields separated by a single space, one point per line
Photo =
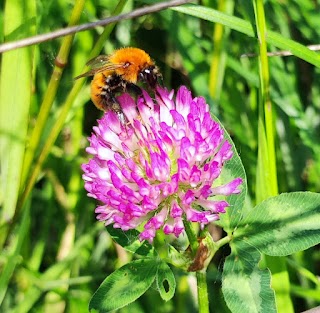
x=98 y=61
x=86 y=74
x=99 y=64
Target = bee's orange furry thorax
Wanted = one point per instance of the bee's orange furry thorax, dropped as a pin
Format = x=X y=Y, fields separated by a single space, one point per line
x=136 y=59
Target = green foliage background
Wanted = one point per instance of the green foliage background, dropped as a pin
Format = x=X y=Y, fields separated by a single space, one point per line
x=54 y=254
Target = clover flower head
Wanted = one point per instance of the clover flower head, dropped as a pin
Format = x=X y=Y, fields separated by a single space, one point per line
x=159 y=168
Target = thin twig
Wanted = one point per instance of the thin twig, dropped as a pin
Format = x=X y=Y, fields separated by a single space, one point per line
x=74 y=29
x=279 y=53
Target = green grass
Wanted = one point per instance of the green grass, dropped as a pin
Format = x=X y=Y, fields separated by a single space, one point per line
x=54 y=254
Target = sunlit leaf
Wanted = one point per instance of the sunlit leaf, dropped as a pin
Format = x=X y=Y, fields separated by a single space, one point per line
x=124 y=285
x=246 y=288
x=283 y=224
x=166 y=282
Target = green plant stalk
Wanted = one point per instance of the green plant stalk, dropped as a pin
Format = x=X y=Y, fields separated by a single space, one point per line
x=49 y=143
x=217 y=57
x=203 y=300
x=223 y=241
x=212 y=248
x=60 y=62
x=193 y=242
x=267 y=184
x=218 y=61
x=269 y=164
x=63 y=114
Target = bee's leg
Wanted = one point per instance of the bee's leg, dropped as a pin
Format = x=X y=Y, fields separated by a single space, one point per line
x=122 y=118
x=110 y=103
x=113 y=103
x=108 y=94
x=116 y=107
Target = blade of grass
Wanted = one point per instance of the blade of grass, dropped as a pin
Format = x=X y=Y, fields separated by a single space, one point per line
x=267 y=157
x=218 y=62
x=246 y=28
x=15 y=90
x=267 y=184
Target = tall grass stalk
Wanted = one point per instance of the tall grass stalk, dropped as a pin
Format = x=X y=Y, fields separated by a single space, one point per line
x=63 y=114
x=267 y=183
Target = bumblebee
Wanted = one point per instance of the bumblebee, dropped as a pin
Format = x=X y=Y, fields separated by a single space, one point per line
x=120 y=72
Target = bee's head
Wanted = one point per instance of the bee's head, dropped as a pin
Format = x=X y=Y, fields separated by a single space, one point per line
x=151 y=75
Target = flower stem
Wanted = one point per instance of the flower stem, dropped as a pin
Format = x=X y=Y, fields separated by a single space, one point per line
x=223 y=241
x=194 y=245
x=203 y=301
